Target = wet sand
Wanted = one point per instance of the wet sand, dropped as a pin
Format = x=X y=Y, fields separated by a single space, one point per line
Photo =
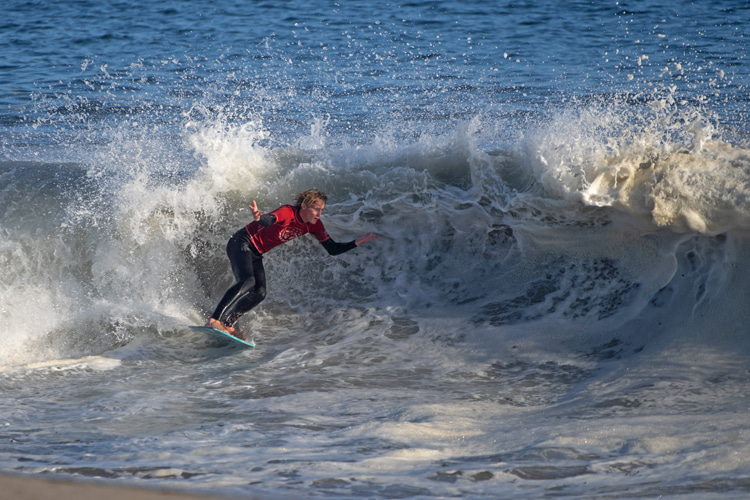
x=21 y=487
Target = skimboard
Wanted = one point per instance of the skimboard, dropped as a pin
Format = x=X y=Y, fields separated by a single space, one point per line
x=222 y=335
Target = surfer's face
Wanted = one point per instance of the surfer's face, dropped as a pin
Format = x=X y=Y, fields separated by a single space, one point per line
x=311 y=213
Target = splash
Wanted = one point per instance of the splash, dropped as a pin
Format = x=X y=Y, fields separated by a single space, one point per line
x=653 y=157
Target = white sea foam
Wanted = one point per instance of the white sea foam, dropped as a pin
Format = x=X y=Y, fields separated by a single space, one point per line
x=97 y=363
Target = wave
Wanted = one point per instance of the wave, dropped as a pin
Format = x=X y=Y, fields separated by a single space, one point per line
x=605 y=214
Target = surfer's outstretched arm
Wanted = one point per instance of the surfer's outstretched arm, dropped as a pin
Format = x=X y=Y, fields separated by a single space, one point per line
x=336 y=248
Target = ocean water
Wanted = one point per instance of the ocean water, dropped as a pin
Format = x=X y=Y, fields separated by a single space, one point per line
x=556 y=307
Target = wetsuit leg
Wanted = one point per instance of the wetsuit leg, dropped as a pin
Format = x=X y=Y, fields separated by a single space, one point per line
x=250 y=288
x=254 y=297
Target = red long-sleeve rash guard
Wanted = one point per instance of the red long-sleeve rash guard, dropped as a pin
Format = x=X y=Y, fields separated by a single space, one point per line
x=285 y=224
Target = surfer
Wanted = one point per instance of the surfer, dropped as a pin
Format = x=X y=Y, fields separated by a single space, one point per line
x=269 y=230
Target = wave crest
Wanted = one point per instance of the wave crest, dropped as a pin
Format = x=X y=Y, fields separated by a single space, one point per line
x=658 y=160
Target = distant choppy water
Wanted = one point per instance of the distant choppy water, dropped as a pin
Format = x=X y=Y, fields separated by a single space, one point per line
x=557 y=305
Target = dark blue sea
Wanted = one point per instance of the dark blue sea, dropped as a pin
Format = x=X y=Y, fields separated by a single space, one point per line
x=557 y=306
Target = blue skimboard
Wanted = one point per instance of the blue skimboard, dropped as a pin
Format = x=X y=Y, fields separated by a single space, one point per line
x=222 y=335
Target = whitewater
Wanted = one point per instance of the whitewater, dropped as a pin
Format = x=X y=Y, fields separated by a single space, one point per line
x=556 y=305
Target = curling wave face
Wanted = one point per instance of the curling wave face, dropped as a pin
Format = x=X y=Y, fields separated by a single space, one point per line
x=582 y=217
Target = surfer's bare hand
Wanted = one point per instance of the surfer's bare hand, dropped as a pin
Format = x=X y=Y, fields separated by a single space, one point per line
x=365 y=238
x=256 y=212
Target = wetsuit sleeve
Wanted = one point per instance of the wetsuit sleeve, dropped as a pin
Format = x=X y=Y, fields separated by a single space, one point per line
x=267 y=220
x=334 y=248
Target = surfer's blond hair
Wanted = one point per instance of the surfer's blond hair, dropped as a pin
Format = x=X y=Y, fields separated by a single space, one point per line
x=309 y=197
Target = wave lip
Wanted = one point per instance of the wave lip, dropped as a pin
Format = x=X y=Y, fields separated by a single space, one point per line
x=661 y=163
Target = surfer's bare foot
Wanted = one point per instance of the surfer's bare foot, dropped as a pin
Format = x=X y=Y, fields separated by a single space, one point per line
x=218 y=325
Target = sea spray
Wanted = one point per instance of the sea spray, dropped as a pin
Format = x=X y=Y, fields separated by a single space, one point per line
x=659 y=162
